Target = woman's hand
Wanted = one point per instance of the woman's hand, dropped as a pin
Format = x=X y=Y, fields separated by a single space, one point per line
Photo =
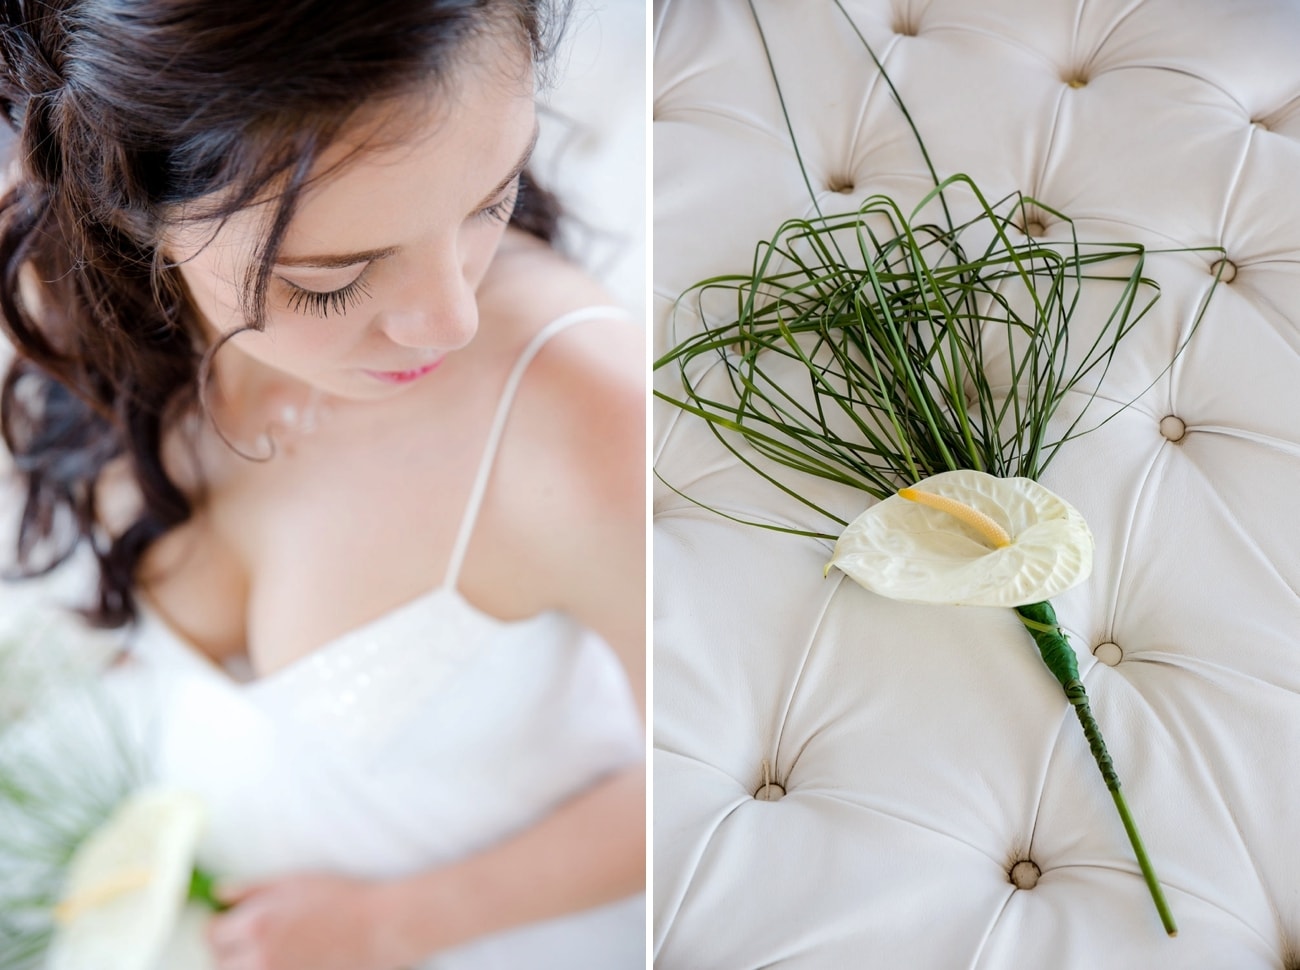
x=304 y=922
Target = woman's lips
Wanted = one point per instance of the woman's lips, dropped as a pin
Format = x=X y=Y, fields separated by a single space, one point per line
x=404 y=376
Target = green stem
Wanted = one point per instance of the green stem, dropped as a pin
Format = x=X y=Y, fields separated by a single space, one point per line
x=203 y=891
x=1040 y=620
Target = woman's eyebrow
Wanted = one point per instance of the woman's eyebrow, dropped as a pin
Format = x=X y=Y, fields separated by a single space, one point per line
x=514 y=172
x=336 y=262
x=343 y=260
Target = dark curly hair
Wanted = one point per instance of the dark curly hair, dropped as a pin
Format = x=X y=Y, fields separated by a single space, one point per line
x=126 y=110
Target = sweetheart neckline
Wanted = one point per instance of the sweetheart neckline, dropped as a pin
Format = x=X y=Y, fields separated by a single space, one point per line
x=151 y=617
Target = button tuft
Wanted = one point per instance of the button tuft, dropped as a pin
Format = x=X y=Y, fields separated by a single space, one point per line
x=769 y=791
x=1108 y=653
x=841 y=184
x=1077 y=82
x=1024 y=874
x=1225 y=269
x=1173 y=427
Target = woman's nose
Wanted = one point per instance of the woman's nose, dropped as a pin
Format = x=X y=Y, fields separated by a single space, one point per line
x=424 y=330
x=437 y=311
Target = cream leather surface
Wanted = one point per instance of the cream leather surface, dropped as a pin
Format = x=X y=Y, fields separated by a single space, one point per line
x=924 y=752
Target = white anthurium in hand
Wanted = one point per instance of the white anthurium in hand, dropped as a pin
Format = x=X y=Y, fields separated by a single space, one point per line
x=127 y=886
x=968 y=538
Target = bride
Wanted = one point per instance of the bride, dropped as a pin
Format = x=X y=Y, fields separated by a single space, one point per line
x=360 y=458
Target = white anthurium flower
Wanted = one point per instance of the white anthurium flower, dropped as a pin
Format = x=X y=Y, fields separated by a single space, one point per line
x=970 y=539
x=127 y=885
x=187 y=949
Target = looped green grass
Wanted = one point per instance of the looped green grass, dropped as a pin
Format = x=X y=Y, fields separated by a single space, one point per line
x=63 y=770
x=898 y=322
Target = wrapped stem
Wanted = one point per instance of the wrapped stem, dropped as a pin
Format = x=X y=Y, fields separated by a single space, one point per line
x=1040 y=620
x=203 y=891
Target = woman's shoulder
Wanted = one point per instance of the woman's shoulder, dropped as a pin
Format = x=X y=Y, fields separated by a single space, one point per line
x=530 y=284
x=589 y=377
x=576 y=433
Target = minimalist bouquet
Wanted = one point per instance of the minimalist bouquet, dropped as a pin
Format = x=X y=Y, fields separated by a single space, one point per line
x=98 y=866
x=861 y=349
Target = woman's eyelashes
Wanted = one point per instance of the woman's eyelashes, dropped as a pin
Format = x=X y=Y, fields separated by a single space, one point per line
x=321 y=304
x=500 y=211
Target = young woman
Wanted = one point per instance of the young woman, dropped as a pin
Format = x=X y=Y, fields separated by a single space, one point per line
x=294 y=358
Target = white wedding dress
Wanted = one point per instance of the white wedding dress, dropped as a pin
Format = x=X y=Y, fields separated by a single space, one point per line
x=418 y=739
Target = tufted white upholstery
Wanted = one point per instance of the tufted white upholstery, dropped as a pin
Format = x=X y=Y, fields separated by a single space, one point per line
x=925 y=752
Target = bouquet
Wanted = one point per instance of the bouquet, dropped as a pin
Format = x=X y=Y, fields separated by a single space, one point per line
x=98 y=865
x=922 y=359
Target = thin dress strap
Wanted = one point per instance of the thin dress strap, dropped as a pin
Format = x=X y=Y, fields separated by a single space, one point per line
x=493 y=442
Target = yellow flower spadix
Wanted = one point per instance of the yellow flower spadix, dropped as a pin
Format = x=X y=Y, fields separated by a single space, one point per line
x=968 y=538
x=127 y=884
x=994 y=534
x=118 y=884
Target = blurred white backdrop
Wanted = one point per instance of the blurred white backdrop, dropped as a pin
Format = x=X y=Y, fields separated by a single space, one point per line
x=593 y=146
